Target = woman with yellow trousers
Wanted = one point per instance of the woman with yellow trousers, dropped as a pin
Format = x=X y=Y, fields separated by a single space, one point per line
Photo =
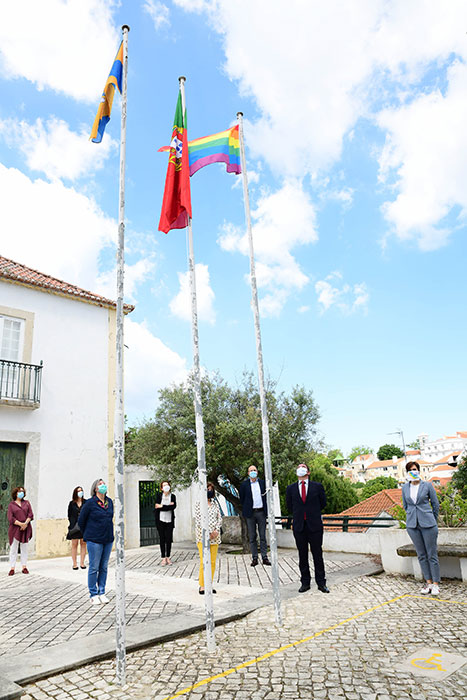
x=215 y=522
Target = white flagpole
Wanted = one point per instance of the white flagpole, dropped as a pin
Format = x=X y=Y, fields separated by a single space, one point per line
x=200 y=444
x=262 y=391
x=119 y=410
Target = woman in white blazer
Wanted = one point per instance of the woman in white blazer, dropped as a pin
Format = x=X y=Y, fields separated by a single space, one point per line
x=422 y=507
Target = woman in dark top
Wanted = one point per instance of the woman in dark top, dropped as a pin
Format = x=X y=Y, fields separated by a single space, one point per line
x=74 y=533
x=19 y=517
x=165 y=520
x=96 y=523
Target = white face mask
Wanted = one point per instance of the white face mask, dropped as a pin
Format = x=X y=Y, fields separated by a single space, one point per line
x=301 y=471
x=166 y=488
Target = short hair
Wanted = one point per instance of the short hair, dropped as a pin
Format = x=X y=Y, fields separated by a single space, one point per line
x=14 y=493
x=75 y=492
x=252 y=465
x=412 y=465
x=94 y=486
x=165 y=481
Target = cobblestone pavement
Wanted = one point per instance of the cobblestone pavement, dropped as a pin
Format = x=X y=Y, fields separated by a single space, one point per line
x=347 y=659
x=58 y=610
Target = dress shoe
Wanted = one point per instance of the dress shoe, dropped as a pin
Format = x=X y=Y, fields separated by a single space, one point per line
x=324 y=589
x=254 y=562
x=25 y=570
x=303 y=588
x=266 y=562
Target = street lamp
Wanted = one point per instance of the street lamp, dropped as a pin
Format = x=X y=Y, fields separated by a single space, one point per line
x=399 y=432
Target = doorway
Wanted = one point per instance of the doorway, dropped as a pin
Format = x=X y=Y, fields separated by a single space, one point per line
x=12 y=462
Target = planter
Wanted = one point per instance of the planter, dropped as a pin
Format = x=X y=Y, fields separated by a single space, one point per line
x=392 y=538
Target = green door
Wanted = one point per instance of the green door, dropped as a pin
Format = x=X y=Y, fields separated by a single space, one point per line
x=12 y=460
x=147 y=525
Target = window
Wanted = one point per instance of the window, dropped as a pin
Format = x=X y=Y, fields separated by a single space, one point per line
x=11 y=338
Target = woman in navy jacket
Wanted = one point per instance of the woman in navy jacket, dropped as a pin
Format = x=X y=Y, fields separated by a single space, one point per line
x=96 y=523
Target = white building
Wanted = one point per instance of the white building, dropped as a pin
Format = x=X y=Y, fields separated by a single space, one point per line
x=57 y=380
x=434 y=450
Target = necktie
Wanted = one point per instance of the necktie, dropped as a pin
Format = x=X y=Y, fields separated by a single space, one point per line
x=304 y=495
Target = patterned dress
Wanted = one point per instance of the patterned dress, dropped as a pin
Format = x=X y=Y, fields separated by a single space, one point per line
x=215 y=521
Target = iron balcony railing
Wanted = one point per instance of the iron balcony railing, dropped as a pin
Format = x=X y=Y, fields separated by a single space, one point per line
x=344 y=522
x=20 y=382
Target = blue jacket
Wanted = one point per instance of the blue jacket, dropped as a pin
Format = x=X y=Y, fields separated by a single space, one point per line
x=423 y=513
x=246 y=497
x=96 y=522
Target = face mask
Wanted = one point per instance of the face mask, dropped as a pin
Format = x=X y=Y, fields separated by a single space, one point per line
x=80 y=494
x=210 y=493
x=253 y=475
x=301 y=471
x=102 y=489
x=166 y=488
x=20 y=494
x=413 y=476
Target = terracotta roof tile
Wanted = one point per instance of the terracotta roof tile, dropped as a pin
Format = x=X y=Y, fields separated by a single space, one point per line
x=444 y=460
x=15 y=272
x=370 y=508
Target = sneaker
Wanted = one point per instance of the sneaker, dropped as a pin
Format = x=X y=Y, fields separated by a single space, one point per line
x=434 y=589
x=104 y=599
x=426 y=588
x=95 y=600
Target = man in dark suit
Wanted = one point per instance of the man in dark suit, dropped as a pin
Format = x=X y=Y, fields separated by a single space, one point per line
x=255 y=511
x=305 y=500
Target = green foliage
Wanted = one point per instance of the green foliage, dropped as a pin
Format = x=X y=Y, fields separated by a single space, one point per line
x=399 y=514
x=378 y=484
x=459 y=479
x=389 y=451
x=358 y=450
x=415 y=445
x=452 y=506
x=233 y=435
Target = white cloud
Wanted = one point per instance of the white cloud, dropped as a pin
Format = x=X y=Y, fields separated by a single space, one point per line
x=149 y=366
x=158 y=12
x=303 y=309
x=135 y=274
x=53 y=228
x=426 y=153
x=181 y=304
x=282 y=221
x=347 y=298
x=54 y=149
x=65 y=45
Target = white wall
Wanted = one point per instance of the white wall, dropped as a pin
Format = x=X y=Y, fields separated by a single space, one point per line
x=71 y=337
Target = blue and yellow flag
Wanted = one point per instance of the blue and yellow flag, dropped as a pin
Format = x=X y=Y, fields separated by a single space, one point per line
x=105 y=107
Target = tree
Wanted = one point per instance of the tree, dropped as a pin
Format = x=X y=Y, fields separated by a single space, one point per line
x=378 y=484
x=233 y=435
x=459 y=479
x=389 y=451
x=358 y=450
x=415 y=445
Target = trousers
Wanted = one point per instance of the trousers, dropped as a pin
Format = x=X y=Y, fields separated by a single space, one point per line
x=14 y=553
x=257 y=520
x=98 y=563
x=313 y=539
x=425 y=540
x=214 y=548
x=166 y=531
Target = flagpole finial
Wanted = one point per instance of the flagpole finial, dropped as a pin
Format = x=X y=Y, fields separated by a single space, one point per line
x=125 y=26
x=239 y=114
x=182 y=77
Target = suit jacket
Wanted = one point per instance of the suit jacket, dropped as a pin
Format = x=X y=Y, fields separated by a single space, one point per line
x=171 y=507
x=246 y=497
x=423 y=513
x=315 y=502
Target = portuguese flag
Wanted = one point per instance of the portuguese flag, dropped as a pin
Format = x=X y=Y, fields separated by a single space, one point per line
x=176 y=204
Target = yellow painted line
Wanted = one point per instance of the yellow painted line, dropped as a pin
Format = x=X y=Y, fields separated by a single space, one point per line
x=268 y=655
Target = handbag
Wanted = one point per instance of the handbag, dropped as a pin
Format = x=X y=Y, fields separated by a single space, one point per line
x=74 y=530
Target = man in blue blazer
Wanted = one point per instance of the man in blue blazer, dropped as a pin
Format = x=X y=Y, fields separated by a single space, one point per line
x=305 y=500
x=255 y=511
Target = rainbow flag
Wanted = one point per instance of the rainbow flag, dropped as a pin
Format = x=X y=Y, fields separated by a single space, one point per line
x=223 y=147
x=105 y=106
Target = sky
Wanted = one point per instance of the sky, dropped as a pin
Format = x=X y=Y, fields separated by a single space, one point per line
x=356 y=145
